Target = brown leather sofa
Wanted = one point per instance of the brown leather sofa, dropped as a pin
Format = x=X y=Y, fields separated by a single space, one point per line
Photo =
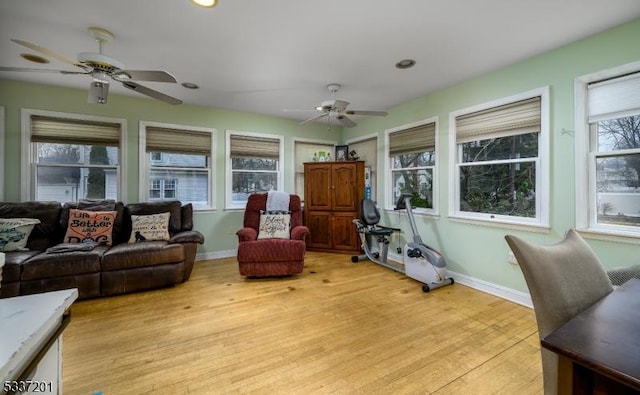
x=120 y=268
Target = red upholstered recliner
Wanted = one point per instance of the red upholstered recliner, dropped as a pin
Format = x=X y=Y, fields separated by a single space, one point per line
x=271 y=257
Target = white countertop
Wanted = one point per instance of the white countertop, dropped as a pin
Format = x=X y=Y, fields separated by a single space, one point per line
x=26 y=323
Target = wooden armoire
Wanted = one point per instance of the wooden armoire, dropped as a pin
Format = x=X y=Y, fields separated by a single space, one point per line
x=332 y=195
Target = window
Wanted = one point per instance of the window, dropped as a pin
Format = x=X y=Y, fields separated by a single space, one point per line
x=71 y=158
x=305 y=151
x=178 y=163
x=366 y=149
x=411 y=153
x=500 y=153
x=254 y=163
x=612 y=159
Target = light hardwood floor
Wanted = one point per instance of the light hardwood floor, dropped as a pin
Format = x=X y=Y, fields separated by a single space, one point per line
x=339 y=327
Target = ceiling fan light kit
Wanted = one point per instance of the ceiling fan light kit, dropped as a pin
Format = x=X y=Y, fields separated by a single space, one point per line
x=101 y=68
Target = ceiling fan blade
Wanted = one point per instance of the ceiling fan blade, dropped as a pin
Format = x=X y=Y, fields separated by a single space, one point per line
x=49 y=53
x=151 y=93
x=314 y=118
x=144 y=75
x=27 y=69
x=366 y=112
x=345 y=121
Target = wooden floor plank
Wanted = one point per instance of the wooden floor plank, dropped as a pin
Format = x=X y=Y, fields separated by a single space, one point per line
x=339 y=327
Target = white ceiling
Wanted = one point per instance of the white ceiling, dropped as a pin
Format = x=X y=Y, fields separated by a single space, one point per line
x=265 y=56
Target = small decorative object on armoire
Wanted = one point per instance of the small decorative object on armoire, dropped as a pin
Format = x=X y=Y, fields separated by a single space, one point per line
x=342 y=152
x=333 y=192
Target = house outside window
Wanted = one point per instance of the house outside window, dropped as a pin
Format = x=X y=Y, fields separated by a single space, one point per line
x=608 y=147
x=411 y=165
x=254 y=165
x=178 y=163
x=499 y=157
x=71 y=158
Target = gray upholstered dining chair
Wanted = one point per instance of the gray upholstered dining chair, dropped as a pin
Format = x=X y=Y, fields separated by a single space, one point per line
x=563 y=279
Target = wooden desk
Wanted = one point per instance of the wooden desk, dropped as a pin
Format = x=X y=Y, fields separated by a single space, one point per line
x=600 y=348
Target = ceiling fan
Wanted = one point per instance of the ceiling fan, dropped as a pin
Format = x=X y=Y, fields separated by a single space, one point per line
x=102 y=69
x=338 y=109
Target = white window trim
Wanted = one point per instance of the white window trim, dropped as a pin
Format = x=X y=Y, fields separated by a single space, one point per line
x=584 y=178
x=27 y=176
x=4 y=157
x=370 y=136
x=228 y=174
x=143 y=193
x=389 y=202
x=293 y=160
x=542 y=164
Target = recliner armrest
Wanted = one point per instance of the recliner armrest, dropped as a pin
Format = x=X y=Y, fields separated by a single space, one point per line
x=247 y=234
x=189 y=236
x=299 y=232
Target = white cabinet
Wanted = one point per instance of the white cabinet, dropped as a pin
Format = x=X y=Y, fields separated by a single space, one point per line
x=31 y=341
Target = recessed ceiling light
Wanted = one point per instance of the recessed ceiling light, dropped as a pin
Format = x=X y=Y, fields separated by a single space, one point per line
x=34 y=58
x=206 y=3
x=190 y=85
x=405 y=64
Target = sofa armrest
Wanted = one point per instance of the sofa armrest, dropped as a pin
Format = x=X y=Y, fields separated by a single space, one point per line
x=189 y=236
x=299 y=232
x=247 y=234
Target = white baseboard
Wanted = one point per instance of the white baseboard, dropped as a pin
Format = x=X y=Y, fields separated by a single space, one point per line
x=215 y=255
x=512 y=295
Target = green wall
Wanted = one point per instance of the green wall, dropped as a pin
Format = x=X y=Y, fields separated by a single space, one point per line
x=474 y=249
x=218 y=226
x=478 y=249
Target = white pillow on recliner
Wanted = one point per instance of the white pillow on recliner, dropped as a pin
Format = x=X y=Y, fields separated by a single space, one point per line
x=274 y=226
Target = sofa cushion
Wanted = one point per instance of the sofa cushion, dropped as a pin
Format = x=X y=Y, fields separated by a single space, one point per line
x=174 y=207
x=45 y=234
x=14 y=233
x=149 y=227
x=150 y=253
x=85 y=225
x=61 y=264
x=13 y=264
x=271 y=250
x=274 y=226
x=120 y=233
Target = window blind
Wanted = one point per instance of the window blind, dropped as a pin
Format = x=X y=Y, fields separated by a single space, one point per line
x=71 y=131
x=614 y=98
x=254 y=147
x=511 y=119
x=178 y=141
x=416 y=139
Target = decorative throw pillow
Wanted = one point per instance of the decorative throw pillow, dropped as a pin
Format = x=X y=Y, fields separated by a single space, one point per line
x=87 y=225
x=14 y=233
x=274 y=226
x=149 y=227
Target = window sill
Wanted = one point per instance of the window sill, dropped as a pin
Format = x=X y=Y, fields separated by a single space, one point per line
x=501 y=223
x=610 y=235
x=416 y=212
